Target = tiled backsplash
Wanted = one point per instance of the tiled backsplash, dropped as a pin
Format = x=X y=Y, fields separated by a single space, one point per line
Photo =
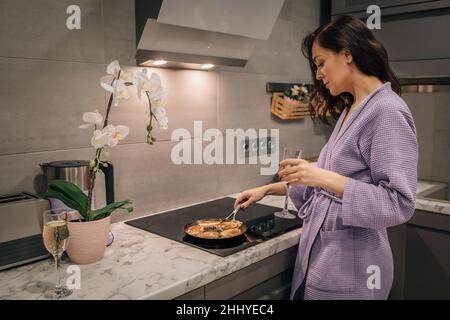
x=50 y=77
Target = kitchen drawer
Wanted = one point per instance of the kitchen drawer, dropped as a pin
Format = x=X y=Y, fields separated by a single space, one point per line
x=241 y=281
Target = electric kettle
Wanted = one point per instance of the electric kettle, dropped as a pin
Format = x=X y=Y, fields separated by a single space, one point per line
x=77 y=172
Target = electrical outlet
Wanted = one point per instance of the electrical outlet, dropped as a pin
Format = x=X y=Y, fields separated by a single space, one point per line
x=254 y=147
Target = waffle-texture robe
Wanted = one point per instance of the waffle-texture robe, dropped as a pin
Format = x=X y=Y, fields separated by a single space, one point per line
x=344 y=252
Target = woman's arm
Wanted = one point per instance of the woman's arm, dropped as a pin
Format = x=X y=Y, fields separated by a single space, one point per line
x=276 y=189
x=250 y=196
x=333 y=182
x=392 y=154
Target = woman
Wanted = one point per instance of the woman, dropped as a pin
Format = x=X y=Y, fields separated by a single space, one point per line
x=366 y=175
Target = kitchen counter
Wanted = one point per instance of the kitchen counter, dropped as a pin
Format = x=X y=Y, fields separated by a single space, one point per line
x=429 y=204
x=142 y=265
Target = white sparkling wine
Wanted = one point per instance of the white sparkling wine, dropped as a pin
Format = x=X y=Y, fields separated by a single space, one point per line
x=56 y=236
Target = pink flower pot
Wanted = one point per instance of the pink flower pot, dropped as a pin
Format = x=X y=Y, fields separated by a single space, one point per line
x=87 y=240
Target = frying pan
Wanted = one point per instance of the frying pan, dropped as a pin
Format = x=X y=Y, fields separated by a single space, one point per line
x=215 y=229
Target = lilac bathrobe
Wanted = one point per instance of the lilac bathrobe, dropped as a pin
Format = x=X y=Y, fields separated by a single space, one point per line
x=344 y=248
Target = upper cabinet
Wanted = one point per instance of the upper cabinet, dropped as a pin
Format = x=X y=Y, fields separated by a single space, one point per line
x=413 y=32
x=351 y=6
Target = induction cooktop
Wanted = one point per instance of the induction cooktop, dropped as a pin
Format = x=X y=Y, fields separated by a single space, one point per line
x=261 y=224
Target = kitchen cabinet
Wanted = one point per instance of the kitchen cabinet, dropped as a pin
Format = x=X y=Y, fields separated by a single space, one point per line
x=353 y=6
x=421 y=257
x=412 y=33
x=268 y=279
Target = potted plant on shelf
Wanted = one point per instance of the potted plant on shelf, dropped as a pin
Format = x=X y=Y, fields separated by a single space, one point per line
x=89 y=227
x=296 y=95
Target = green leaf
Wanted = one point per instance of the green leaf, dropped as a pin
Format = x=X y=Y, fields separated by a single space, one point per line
x=69 y=192
x=66 y=200
x=106 y=211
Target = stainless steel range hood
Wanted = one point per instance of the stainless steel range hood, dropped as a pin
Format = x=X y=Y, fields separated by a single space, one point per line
x=192 y=33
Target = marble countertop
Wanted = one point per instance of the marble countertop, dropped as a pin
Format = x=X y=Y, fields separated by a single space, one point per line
x=142 y=265
x=427 y=204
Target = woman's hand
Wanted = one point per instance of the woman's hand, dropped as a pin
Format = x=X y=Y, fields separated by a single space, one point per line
x=249 y=196
x=299 y=171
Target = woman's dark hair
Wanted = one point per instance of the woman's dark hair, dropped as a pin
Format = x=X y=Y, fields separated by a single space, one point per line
x=368 y=53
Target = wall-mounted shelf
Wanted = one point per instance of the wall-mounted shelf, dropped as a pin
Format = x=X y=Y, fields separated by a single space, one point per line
x=281 y=87
x=286 y=109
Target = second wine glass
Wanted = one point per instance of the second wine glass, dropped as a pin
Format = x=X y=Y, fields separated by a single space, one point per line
x=288 y=153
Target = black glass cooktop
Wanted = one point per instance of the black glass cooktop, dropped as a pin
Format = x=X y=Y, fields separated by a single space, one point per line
x=261 y=225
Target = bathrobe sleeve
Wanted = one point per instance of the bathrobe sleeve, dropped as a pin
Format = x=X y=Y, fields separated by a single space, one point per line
x=389 y=147
x=299 y=194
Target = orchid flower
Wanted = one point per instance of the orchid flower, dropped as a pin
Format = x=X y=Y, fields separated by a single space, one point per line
x=100 y=139
x=109 y=136
x=163 y=123
x=116 y=133
x=92 y=119
x=159 y=112
x=142 y=81
x=118 y=88
x=113 y=68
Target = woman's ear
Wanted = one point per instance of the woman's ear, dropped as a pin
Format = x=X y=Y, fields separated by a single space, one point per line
x=347 y=56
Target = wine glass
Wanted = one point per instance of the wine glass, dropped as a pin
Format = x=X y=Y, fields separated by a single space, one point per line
x=288 y=153
x=56 y=237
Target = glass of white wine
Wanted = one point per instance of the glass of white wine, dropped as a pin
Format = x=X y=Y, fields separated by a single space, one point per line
x=56 y=237
x=288 y=153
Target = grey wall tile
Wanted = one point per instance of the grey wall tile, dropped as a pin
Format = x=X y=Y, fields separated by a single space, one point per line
x=243 y=101
x=119 y=30
x=37 y=29
x=43 y=103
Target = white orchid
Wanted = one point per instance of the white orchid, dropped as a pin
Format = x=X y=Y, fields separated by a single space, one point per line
x=100 y=139
x=159 y=112
x=150 y=84
x=163 y=123
x=116 y=133
x=115 y=82
x=92 y=119
x=116 y=86
x=113 y=68
x=109 y=136
x=141 y=80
